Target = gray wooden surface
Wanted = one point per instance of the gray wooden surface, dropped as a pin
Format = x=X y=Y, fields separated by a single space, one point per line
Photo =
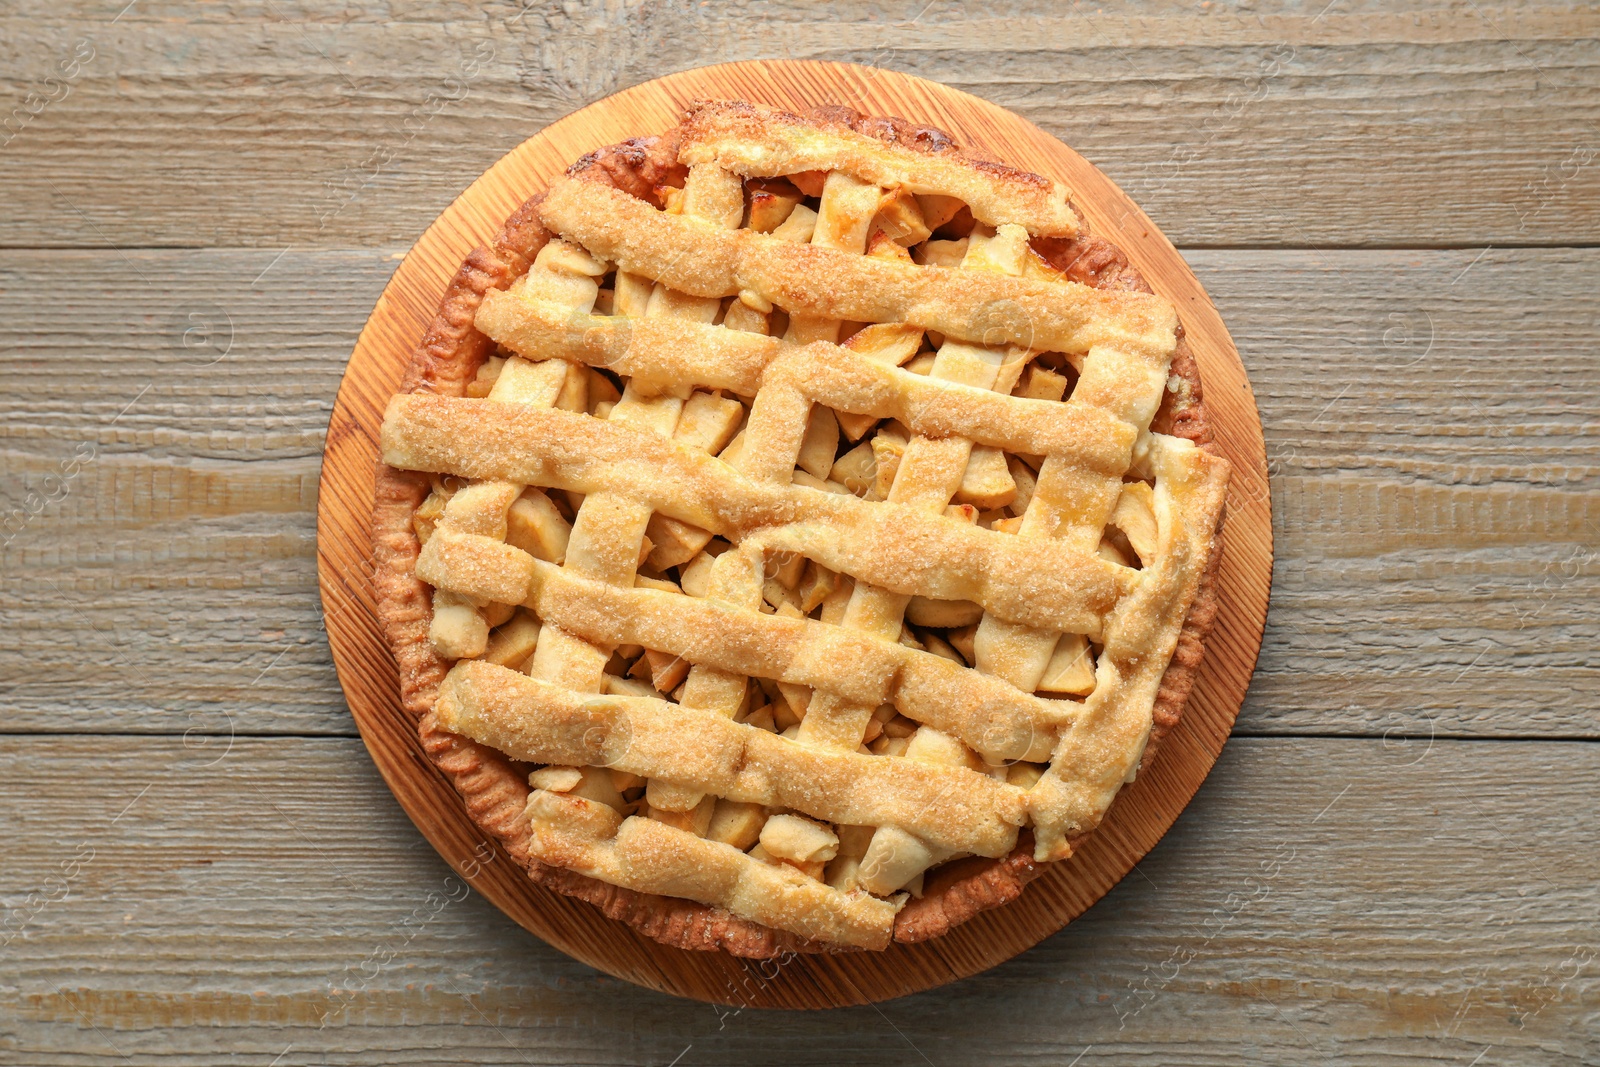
x=1395 y=207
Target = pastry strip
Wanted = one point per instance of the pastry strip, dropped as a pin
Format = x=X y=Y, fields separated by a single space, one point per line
x=973 y=306
x=764 y=142
x=1102 y=748
x=651 y=857
x=608 y=533
x=539 y=722
x=902 y=549
x=660 y=350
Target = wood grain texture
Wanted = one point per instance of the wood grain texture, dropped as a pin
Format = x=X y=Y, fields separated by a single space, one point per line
x=1333 y=902
x=168 y=574
x=1433 y=449
x=1143 y=811
x=289 y=123
x=1472 y=578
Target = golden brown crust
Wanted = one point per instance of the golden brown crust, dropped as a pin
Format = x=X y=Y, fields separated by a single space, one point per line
x=765 y=142
x=492 y=785
x=967 y=305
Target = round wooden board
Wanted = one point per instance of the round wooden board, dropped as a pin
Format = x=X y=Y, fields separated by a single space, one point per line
x=1143 y=811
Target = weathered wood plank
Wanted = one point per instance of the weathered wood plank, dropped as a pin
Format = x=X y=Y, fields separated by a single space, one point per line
x=1350 y=901
x=163 y=432
x=1433 y=444
x=285 y=124
x=1433 y=449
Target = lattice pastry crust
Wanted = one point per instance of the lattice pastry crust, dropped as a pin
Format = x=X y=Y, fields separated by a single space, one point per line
x=785 y=520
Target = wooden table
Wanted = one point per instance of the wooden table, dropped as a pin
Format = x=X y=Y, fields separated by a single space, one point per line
x=1396 y=209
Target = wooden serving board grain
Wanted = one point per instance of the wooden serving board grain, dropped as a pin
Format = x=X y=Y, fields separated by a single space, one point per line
x=1143 y=812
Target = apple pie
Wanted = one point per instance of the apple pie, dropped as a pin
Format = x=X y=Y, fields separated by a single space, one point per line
x=794 y=530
